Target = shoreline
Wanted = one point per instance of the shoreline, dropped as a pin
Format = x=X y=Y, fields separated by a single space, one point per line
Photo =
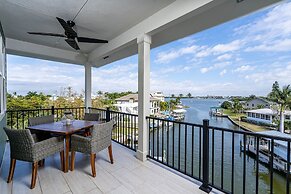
x=242 y=127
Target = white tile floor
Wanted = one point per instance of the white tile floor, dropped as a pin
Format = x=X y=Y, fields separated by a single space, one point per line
x=126 y=175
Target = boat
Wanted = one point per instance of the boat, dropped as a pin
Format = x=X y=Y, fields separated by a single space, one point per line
x=216 y=111
x=178 y=114
x=280 y=150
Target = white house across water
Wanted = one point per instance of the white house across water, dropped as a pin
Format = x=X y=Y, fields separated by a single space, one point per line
x=129 y=104
x=266 y=115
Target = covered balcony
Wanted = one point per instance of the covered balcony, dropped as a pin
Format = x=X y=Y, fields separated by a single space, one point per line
x=152 y=160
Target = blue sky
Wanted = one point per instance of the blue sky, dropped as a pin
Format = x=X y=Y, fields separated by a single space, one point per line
x=241 y=57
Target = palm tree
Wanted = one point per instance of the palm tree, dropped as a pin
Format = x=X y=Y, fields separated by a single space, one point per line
x=282 y=98
x=99 y=93
x=189 y=95
x=237 y=106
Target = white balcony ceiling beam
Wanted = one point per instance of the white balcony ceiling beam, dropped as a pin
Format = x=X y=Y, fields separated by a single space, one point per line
x=27 y=49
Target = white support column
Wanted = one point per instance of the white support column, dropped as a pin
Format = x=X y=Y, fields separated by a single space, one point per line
x=144 y=43
x=88 y=86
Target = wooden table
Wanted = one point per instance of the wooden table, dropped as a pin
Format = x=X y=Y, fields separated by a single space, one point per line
x=66 y=130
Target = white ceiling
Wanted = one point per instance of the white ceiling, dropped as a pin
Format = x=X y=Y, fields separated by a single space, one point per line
x=98 y=19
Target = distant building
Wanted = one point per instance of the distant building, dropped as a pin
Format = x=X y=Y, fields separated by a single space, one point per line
x=265 y=115
x=158 y=95
x=257 y=103
x=129 y=104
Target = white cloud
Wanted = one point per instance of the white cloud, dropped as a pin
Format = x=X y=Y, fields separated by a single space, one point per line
x=223 y=72
x=232 y=46
x=223 y=48
x=270 y=32
x=166 y=57
x=269 y=75
x=48 y=77
x=205 y=69
x=224 y=57
x=215 y=66
x=244 y=68
x=273 y=46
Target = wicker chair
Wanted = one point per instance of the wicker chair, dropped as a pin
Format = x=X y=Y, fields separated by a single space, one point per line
x=92 y=116
x=23 y=147
x=100 y=139
x=40 y=120
x=89 y=117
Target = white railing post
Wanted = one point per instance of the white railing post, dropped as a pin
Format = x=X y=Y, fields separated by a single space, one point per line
x=144 y=43
x=88 y=86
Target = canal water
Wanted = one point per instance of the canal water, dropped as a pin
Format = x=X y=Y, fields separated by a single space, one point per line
x=197 y=111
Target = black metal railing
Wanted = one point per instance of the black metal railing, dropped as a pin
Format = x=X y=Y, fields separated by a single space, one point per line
x=100 y=111
x=126 y=125
x=232 y=161
x=126 y=129
x=19 y=118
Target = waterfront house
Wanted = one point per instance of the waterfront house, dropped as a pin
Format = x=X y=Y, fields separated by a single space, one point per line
x=158 y=95
x=129 y=104
x=266 y=115
x=131 y=27
x=257 y=103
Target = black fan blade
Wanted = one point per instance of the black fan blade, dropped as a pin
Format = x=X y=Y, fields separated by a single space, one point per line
x=67 y=28
x=47 y=34
x=73 y=43
x=91 y=40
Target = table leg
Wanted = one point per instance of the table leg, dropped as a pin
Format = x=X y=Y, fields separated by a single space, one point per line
x=67 y=153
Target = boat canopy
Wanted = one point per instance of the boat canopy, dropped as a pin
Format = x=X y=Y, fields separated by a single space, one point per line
x=179 y=111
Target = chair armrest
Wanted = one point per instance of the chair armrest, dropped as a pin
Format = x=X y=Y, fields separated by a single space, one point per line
x=53 y=141
x=45 y=148
x=79 y=138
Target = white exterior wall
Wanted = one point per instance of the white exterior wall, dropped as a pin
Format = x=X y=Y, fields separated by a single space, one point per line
x=261 y=118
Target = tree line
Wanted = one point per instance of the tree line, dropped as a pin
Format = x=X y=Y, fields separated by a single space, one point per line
x=67 y=97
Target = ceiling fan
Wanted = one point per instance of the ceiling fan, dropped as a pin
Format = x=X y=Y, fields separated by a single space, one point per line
x=70 y=35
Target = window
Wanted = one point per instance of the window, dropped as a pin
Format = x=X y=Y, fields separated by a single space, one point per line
x=287 y=117
x=267 y=117
x=253 y=105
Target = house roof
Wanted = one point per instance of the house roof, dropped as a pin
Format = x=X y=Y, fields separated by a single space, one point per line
x=121 y=22
x=267 y=111
x=261 y=99
x=134 y=97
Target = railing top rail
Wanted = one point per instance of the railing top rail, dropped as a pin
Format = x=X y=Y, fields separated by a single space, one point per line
x=252 y=134
x=56 y=108
x=227 y=130
x=103 y=109
x=60 y=108
x=178 y=122
x=123 y=113
x=22 y=110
